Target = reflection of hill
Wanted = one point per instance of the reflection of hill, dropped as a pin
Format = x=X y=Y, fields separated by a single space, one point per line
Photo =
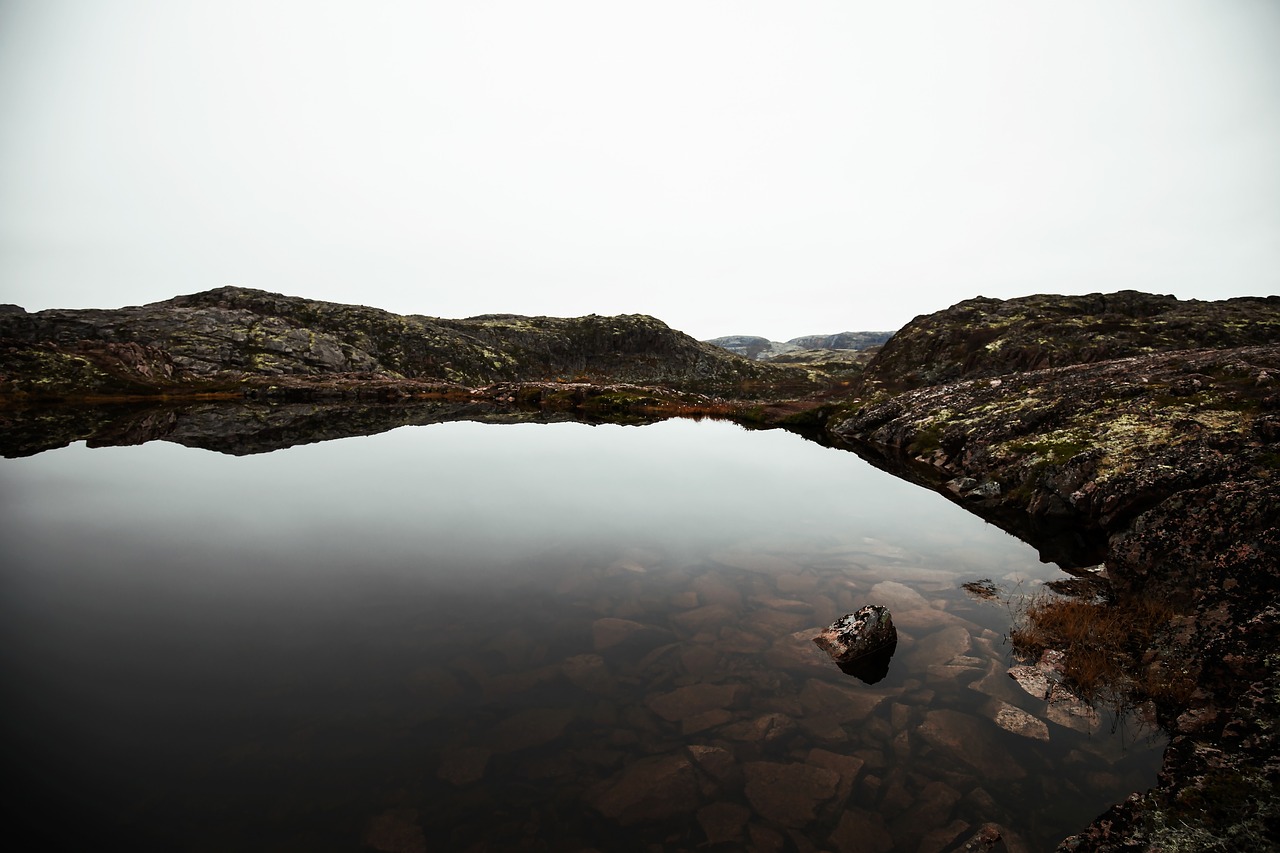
x=239 y=429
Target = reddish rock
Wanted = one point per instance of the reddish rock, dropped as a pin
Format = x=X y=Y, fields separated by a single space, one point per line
x=694 y=699
x=708 y=618
x=530 y=728
x=845 y=704
x=396 y=831
x=723 y=822
x=788 y=794
x=651 y=789
x=766 y=729
x=970 y=741
x=846 y=766
x=861 y=832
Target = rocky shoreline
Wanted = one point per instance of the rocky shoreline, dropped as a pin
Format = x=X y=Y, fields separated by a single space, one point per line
x=1161 y=467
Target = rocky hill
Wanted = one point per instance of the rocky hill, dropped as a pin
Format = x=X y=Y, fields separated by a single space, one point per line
x=233 y=334
x=763 y=349
x=992 y=337
x=752 y=346
x=1139 y=435
x=842 y=340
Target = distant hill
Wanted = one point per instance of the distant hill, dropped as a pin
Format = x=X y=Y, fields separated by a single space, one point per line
x=763 y=349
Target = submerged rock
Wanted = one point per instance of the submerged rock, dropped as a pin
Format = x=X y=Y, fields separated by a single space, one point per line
x=858 y=635
x=788 y=794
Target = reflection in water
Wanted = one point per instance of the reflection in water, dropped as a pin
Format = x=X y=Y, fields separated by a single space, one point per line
x=871 y=668
x=554 y=637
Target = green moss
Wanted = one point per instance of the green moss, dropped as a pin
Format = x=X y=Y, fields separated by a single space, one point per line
x=1055 y=448
x=928 y=439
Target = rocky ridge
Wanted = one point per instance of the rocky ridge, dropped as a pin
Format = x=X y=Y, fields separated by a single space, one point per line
x=991 y=337
x=1143 y=433
x=231 y=337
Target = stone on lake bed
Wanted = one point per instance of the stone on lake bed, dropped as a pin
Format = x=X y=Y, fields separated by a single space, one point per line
x=858 y=634
x=694 y=699
x=788 y=794
x=1019 y=722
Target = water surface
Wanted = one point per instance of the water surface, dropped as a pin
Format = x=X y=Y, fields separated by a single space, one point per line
x=487 y=637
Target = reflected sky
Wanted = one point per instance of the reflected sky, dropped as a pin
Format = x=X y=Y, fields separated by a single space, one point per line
x=469 y=493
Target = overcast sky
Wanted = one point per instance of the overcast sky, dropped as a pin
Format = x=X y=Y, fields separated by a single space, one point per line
x=734 y=167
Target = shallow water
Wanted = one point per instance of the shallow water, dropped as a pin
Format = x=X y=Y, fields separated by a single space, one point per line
x=478 y=637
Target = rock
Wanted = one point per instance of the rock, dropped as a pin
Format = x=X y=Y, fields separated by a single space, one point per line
x=786 y=605
x=529 y=728
x=588 y=672
x=1019 y=722
x=861 y=832
x=858 y=634
x=797 y=653
x=704 y=721
x=762 y=564
x=766 y=840
x=707 y=618
x=717 y=767
x=234 y=331
x=686 y=600
x=970 y=741
x=790 y=584
x=736 y=641
x=774 y=623
x=788 y=794
x=463 y=765
x=1031 y=679
x=713 y=589
x=396 y=831
x=765 y=729
x=897 y=596
x=1070 y=711
x=700 y=661
x=723 y=822
x=931 y=809
x=651 y=789
x=943 y=838
x=838 y=702
x=940 y=647
x=984 y=840
x=609 y=632
x=695 y=699
x=847 y=767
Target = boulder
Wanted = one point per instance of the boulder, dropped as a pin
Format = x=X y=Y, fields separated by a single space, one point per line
x=858 y=635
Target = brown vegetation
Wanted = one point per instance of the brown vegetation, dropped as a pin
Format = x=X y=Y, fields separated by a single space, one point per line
x=1112 y=649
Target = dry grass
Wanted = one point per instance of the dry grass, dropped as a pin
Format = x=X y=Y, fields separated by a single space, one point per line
x=1111 y=648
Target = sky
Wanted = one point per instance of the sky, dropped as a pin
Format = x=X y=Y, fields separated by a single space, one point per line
x=736 y=167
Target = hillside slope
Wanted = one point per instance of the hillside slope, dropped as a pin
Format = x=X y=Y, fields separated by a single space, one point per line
x=992 y=337
x=231 y=332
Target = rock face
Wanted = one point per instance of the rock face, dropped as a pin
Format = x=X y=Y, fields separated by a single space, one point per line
x=992 y=337
x=234 y=331
x=1144 y=432
x=857 y=635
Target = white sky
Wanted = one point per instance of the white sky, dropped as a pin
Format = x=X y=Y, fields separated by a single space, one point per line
x=735 y=167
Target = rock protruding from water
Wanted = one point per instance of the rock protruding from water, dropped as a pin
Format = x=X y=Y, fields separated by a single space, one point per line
x=861 y=642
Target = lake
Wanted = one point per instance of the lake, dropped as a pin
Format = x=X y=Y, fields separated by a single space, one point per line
x=474 y=637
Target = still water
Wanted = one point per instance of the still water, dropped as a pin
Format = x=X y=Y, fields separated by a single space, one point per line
x=504 y=637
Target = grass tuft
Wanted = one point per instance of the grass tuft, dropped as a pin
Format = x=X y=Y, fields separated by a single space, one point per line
x=1107 y=645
